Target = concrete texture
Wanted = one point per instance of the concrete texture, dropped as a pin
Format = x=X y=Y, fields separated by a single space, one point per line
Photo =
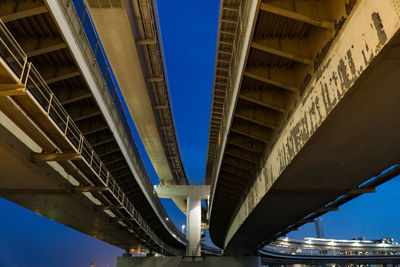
x=251 y=261
x=343 y=132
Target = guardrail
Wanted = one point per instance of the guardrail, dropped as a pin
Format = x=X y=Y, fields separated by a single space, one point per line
x=98 y=57
x=241 y=22
x=38 y=90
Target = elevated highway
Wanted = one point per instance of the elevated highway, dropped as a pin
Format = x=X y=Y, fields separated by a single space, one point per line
x=303 y=112
x=69 y=148
x=135 y=53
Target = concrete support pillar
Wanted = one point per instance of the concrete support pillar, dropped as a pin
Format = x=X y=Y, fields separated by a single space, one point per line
x=193 y=194
x=193 y=226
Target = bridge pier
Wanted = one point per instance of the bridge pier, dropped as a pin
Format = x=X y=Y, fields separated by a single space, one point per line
x=193 y=194
x=241 y=261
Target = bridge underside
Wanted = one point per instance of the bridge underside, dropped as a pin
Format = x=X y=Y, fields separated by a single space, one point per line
x=44 y=38
x=356 y=142
x=283 y=159
x=47 y=190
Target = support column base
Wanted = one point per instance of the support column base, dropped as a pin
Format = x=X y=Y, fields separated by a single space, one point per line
x=228 y=261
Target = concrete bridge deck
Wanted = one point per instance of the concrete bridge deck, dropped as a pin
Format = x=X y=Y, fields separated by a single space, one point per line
x=309 y=111
x=60 y=51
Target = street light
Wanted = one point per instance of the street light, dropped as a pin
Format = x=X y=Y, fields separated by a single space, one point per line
x=183 y=228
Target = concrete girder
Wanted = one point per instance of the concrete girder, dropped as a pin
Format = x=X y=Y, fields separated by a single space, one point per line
x=260 y=100
x=298 y=50
x=101 y=138
x=82 y=112
x=243 y=154
x=363 y=38
x=227 y=197
x=263 y=46
x=235 y=162
x=68 y=96
x=246 y=143
x=228 y=181
x=252 y=130
x=231 y=192
x=106 y=148
x=236 y=171
x=281 y=78
x=86 y=114
x=226 y=211
x=121 y=174
x=15 y=10
x=325 y=24
x=57 y=74
x=95 y=130
x=114 y=166
x=113 y=159
x=92 y=127
x=103 y=142
x=108 y=152
x=123 y=167
x=129 y=180
x=226 y=204
x=240 y=145
x=36 y=47
x=259 y=116
x=231 y=177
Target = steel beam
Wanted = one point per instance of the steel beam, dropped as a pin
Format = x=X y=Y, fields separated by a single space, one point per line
x=262 y=103
x=250 y=135
x=256 y=121
x=42 y=157
x=281 y=53
x=23 y=14
x=71 y=99
x=321 y=23
x=282 y=83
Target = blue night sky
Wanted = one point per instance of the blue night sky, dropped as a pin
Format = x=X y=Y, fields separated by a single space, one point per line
x=189 y=32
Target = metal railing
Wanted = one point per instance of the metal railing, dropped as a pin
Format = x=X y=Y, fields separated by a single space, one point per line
x=149 y=19
x=38 y=90
x=333 y=247
x=98 y=57
x=233 y=73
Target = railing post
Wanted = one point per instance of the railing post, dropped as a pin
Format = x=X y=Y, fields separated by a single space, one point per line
x=27 y=73
x=107 y=178
x=80 y=147
x=50 y=101
x=66 y=128
x=23 y=70
x=101 y=165
x=91 y=158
